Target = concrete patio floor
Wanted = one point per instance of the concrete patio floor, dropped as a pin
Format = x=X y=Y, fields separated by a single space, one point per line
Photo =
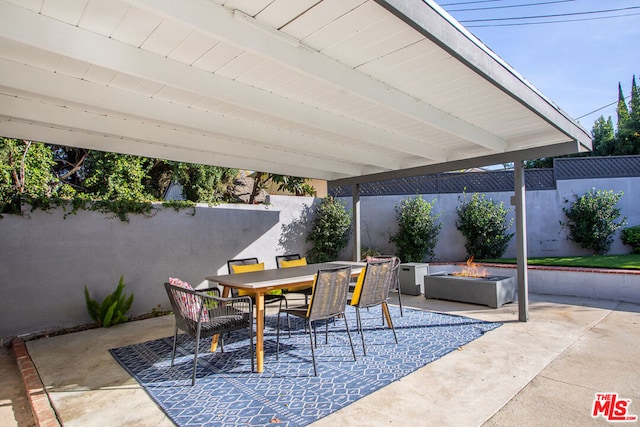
x=539 y=373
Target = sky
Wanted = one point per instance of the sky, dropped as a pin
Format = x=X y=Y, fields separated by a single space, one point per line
x=576 y=64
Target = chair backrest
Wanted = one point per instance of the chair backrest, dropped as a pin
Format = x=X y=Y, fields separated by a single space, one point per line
x=330 y=292
x=375 y=287
x=191 y=307
x=240 y=261
x=395 y=268
x=288 y=257
x=187 y=307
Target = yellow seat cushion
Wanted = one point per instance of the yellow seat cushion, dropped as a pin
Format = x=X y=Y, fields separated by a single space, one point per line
x=356 y=292
x=248 y=268
x=294 y=263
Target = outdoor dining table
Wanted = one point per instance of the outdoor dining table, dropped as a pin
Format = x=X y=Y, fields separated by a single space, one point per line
x=263 y=281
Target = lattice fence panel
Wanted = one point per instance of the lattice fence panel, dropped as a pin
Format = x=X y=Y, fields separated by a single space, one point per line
x=597 y=167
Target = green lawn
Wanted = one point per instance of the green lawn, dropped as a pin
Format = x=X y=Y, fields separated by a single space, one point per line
x=630 y=261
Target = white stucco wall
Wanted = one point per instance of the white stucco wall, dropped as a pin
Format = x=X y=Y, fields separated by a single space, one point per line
x=545 y=235
x=46 y=260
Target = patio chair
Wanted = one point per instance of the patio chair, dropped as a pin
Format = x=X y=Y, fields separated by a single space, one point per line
x=328 y=301
x=294 y=260
x=372 y=289
x=394 y=284
x=236 y=266
x=203 y=315
x=245 y=265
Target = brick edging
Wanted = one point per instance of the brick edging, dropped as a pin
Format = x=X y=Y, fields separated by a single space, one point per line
x=41 y=407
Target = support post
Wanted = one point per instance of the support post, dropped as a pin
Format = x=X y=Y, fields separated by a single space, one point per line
x=521 y=240
x=355 y=194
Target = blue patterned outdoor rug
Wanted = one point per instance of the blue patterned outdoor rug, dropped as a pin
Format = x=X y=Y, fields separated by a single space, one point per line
x=227 y=393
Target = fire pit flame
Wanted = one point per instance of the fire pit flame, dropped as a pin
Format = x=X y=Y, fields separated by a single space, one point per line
x=471 y=270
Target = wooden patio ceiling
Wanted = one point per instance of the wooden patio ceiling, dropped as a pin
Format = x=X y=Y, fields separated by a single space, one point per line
x=330 y=89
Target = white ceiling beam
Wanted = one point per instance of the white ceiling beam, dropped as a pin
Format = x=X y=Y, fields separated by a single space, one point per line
x=13 y=128
x=132 y=129
x=219 y=22
x=42 y=82
x=77 y=43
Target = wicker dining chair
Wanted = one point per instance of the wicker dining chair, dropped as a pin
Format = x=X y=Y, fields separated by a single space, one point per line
x=328 y=301
x=372 y=289
x=276 y=298
x=394 y=283
x=268 y=298
x=202 y=315
x=293 y=260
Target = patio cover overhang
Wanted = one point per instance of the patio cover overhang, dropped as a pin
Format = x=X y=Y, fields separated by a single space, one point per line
x=347 y=91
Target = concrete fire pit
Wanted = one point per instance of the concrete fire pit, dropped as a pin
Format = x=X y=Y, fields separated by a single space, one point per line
x=493 y=291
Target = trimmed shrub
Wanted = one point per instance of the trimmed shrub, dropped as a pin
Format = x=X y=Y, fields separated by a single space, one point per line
x=592 y=219
x=330 y=231
x=484 y=224
x=417 y=234
x=631 y=236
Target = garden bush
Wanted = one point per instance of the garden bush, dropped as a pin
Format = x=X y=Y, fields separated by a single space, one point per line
x=593 y=219
x=417 y=234
x=631 y=236
x=483 y=222
x=330 y=231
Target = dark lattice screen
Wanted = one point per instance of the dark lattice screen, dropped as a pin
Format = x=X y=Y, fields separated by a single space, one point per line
x=597 y=167
x=487 y=182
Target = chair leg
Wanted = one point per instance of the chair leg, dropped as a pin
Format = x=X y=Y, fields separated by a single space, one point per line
x=353 y=351
x=326 y=331
x=361 y=331
x=385 y=309
x=173 y=350
x=313 y=353
x=286 y=305
x=400 y=300
x=278 y=335
x=195 y=357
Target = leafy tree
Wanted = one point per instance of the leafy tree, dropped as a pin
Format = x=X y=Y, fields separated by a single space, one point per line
x=628 y=133
x=592 y=219
x=293 y=184
x=417 y=234
x=603 y=135
x=484 y=224
x=329 y=231
x=607 y=141
x=296 y=185
x=202 y=183
x=42 y=174
x=114 y=176
x=25 y=173
x=622 y=109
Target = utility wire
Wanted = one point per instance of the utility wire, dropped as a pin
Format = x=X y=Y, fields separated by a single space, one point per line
x=557 y=15
x=508 y=6
x=602 y=108
x=517 y=24
x=468 y=2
